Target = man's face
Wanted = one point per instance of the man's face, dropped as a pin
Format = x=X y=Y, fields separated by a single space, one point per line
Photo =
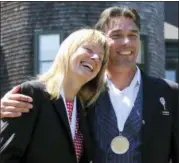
x=124 y=41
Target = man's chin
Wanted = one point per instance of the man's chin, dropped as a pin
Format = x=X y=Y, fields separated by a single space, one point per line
x=123 y=64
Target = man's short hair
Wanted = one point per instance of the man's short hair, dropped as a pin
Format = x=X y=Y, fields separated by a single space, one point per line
x=117 y=11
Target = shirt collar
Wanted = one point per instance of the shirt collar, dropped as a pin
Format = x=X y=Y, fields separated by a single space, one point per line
x=135 y=81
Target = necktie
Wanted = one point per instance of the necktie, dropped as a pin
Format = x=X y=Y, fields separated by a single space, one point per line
x=78 y=139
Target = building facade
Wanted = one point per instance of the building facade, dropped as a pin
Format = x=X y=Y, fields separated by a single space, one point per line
x=171 y=26
x=31 y=33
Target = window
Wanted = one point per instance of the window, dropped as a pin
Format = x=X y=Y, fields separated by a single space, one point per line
x=142 y=56
x=171 y=66
x=46 y=47
x=170 y=74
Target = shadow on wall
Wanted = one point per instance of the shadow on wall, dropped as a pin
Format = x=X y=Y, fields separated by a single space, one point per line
x=4 y=79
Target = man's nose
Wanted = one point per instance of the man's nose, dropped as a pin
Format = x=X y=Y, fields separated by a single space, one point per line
x=126 y=40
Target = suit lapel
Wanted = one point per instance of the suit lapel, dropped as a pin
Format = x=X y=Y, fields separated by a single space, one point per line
x=61 y=112
x=149 y=106
x=84 y=128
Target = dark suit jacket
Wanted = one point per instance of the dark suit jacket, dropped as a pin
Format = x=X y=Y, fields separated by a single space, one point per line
x=43 y=135
x=160 y=133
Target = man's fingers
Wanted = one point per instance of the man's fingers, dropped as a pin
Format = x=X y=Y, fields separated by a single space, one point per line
x=14 y=110
x=16 y=104
x=20 y=97
x=9 y=114
x=13 y=94
x=15 y=89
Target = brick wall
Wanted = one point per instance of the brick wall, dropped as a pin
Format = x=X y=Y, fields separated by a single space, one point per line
x=20 y=19
x=15 y=60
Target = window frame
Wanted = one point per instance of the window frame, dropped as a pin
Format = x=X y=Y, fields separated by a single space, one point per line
x=172 y=61
x=144 y=66
x=37 y=34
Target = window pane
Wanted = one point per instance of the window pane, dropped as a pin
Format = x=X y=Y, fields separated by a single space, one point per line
x=48 y=46
x=170 y=75
x=44 y=66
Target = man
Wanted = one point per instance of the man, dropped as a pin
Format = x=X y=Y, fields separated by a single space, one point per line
x=136 y=120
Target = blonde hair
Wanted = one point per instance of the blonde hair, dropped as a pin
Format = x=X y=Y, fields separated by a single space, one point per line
x=54 y=77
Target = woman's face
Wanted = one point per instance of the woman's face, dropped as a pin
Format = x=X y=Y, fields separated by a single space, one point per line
x=86 y=62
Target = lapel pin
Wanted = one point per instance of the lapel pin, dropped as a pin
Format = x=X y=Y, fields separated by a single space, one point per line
x=164 y=111
x=162 y=101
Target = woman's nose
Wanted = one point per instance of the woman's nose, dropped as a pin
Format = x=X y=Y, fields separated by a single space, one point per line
x=95 y=56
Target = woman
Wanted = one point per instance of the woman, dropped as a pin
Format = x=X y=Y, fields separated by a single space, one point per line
x=56 y=129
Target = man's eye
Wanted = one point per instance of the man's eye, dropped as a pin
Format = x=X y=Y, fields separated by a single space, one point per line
x=133 y=36
x=117 y=36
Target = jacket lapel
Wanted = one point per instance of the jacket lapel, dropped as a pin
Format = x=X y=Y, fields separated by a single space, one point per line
x=149 y=106
x=61 y=112
x=84 y=128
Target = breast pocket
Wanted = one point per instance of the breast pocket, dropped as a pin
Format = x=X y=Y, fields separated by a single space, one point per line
x=163 y=119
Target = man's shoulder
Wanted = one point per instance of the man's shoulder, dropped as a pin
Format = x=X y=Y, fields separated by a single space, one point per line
x=162 y=82
x=171 y=83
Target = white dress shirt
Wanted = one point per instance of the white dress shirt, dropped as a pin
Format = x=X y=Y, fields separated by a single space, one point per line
x=123 y=101
x=74 y=114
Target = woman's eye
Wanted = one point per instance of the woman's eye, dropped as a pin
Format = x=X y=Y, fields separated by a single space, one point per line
x=101 y=59
x=89 y=50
